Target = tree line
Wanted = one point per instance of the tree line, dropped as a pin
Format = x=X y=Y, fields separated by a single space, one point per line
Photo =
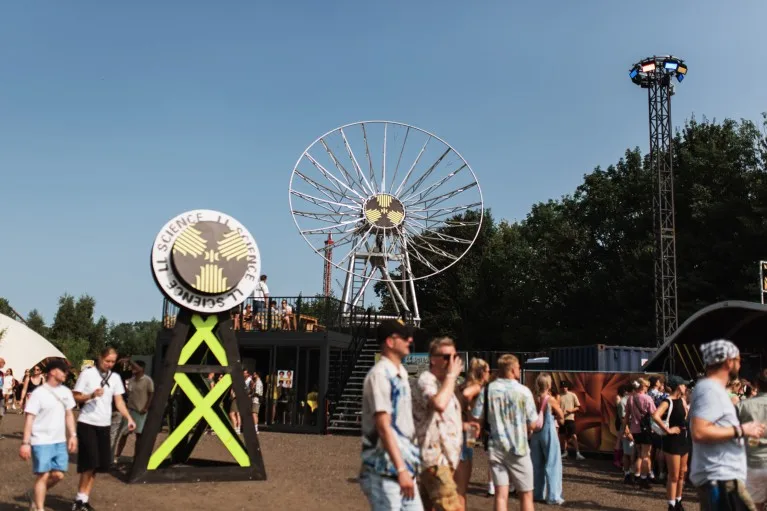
x=579 y=269
x=81 y=336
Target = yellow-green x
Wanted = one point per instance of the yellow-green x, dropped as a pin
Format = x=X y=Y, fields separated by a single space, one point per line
x=203 y=406
x=202 y=409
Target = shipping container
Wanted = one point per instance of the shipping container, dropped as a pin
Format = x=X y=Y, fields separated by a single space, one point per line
x=599 y=357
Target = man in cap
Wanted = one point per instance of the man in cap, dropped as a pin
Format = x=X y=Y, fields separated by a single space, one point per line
x=719 y=455
x=48 y=419
x=390 y=458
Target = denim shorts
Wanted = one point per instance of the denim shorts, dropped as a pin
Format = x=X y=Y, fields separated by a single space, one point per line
x=50 y=457
x=383 y=493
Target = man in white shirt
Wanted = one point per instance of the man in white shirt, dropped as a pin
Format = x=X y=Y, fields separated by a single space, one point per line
x=260 y=299
x=48 y=418
x=95 y=389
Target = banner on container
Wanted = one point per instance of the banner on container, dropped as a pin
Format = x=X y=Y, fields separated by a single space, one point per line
x=597 y=393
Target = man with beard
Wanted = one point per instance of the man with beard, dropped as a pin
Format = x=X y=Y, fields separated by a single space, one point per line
x=718 y=453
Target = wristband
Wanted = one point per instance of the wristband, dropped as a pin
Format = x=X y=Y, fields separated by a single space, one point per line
x=738 y=431
x=26 y=443
x=403 y=469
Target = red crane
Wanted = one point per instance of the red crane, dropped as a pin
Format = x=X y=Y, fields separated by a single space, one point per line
x=327 y=274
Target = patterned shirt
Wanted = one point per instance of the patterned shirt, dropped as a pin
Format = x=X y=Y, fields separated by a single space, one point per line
x=510 y=409
x=439 y=434
x=387 y=389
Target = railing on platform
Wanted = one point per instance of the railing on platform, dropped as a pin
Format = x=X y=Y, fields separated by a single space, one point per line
x=284 y=313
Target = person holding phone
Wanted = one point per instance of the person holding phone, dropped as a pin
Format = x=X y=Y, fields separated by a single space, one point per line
x=95 y=390
x=439 y=426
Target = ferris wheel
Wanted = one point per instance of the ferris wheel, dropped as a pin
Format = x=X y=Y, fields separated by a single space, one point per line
x=385 y=201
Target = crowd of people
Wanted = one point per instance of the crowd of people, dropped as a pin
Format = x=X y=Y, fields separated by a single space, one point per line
x=695 y=431
x=418 y=442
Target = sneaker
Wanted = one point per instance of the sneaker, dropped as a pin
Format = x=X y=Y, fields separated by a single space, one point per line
x=644 y=484
x=678 y=506
x=628 y=479
x=579 y=457
x=559 y=502
x=490 y=489
x=78 y=505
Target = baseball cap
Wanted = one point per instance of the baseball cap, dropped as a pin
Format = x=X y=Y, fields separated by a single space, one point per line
x=389 y=327
x=675 y=381
x=57 y=363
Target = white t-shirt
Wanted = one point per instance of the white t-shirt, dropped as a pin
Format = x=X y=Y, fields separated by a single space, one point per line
x=49 y=405
x=98 y=411
x=7 y=384
x=261 y=291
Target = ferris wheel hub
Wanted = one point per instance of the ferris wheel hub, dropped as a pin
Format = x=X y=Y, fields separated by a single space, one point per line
x=384 y=211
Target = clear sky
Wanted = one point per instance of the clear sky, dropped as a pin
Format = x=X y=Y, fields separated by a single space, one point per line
x=115 y=116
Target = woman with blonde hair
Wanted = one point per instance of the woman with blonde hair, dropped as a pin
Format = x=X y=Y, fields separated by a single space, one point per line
x=544 y=445
x=476 y=378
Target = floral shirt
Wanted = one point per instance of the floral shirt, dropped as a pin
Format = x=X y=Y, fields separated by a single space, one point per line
x=387 y=389
x=510 y=409
x=439 y=434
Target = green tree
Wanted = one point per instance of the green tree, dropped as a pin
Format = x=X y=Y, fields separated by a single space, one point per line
x=36 y=322
x=5 y=308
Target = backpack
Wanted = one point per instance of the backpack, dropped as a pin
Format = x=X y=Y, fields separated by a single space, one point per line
x=656 y=428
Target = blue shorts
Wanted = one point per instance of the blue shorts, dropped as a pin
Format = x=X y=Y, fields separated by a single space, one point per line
x=467 y=453
x=50 y=457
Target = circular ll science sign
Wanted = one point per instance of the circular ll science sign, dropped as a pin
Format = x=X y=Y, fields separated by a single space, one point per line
x=205 y=261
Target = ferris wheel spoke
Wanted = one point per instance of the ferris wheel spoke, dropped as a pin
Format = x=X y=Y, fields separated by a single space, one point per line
x=329 y=175
x=399 y=159
x=418 y=240
x=414 y=251
x=427 y=173
x=410 y=170
x=428 y=203
x=425 y=193
x=323 y=203
x=383 y=160
x=356 y=164
x=325 y=217
x=327 y=192
x=367 y=155
x=354 y=249
x=444 y=211
x=336 y=228
x=345 y=173
x=438 y=236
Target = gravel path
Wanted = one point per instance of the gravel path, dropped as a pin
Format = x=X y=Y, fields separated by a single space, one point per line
x=305 y=472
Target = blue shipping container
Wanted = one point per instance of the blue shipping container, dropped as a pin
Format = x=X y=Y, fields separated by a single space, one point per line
x=600 y=358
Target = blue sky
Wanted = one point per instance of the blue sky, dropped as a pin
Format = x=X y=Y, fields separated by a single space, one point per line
x=115 y=116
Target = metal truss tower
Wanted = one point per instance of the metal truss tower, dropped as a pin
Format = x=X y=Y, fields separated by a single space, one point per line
x=655 y=74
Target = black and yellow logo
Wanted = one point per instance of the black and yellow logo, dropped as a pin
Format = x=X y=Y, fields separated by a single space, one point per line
x=764 y=276
x=384 y=211
x=210 y=257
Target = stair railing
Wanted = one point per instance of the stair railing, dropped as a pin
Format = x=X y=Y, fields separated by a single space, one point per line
x=360 y=332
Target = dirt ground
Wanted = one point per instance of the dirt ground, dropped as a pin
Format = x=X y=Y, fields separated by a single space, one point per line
x=305 y=472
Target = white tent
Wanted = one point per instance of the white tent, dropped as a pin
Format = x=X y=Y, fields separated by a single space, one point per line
x=22 y=347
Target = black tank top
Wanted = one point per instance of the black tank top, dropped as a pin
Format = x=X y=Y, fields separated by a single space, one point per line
x=677 y=417
x=32 y=385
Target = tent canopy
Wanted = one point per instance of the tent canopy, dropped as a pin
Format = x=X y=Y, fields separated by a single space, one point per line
x=22 y=347
x=744 y=323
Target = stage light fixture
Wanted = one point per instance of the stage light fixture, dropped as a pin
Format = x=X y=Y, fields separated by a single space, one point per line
x=679 y=77
x=648 y=67
x=633 y=73
x=682 y=69
x=671 y=65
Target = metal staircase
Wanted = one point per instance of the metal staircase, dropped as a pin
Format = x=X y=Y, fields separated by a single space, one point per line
x=346 y=417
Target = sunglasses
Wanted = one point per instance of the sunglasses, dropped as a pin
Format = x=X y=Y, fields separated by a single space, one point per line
x=446 y=357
